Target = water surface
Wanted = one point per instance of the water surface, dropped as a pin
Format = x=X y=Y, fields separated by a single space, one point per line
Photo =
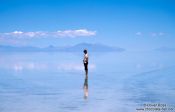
x=54 y=82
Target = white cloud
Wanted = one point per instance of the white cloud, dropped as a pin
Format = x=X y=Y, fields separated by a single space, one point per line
x=75 y=33
x=161 y=34
x=57 y=34
x=20 y=34
x=157 y=34
x=17 y=32
x=139 y=33
x=152 y=34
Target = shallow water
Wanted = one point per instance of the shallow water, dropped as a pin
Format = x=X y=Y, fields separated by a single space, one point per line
x=54 y=82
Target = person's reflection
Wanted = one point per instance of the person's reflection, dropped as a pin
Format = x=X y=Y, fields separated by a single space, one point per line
x=85 y=61
x=86 y=87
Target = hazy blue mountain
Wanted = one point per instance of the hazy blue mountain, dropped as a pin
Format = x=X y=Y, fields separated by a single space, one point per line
x=165 y=49
x=93 y=48
x=76 y=48
x=18 y=49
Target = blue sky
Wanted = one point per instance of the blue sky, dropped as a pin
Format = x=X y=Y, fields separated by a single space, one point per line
x=131 y=24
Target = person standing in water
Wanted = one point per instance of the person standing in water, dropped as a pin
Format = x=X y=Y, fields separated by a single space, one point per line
x=85 y=61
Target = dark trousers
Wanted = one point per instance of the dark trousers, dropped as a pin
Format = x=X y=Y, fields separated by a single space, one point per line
x=86 y=66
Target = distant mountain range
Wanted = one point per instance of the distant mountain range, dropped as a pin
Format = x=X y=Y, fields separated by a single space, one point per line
x=76 y=48
x=165 y=49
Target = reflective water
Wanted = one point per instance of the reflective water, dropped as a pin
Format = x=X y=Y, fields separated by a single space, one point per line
x=56 y=82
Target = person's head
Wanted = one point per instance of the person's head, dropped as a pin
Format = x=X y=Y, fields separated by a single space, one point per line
x=85 y=51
